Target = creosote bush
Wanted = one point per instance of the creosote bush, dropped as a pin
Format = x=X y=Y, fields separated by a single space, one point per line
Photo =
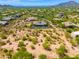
x=61 y=51
x=22 y=54
x=21 y=43
x=3 y=36
x=46 y=45
x=42 y=56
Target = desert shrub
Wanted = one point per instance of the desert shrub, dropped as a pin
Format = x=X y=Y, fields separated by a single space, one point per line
x=5 y=50
x=9 y=54
x=56 y=21
x=42 y=56
x=61 y=25
x=3 y=36
x=49 y=39
x=69 y=30
x=21 y=43
x=77 y=39
x=61 y=51
x=24 y=38
x=46 y=45
x=2 y=43
x=33 y=39
x=67 y=57
x=22 y=54
x=73 y=42
x=28 y=25
x=67 y=35
x=11 y=32
x=32 y=46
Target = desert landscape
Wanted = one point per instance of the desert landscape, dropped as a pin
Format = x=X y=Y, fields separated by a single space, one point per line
x=40 y=33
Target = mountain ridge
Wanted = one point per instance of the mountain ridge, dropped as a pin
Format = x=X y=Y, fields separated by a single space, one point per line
x=68 y=4
x=65 y=4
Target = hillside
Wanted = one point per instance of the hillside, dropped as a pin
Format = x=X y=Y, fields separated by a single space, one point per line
x=38 y=41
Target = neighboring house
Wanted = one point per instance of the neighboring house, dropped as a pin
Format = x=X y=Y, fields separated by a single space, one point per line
x=18 y=15
x=61 y=15
x=6 y=18
x=57 y=19
x=3 y=22
x=72 y=16
x=75 y=34
x=40 y=23
x=13 y=17
x=12 y=12
x=69 y=24
x=31 y=19
x=4 y=14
